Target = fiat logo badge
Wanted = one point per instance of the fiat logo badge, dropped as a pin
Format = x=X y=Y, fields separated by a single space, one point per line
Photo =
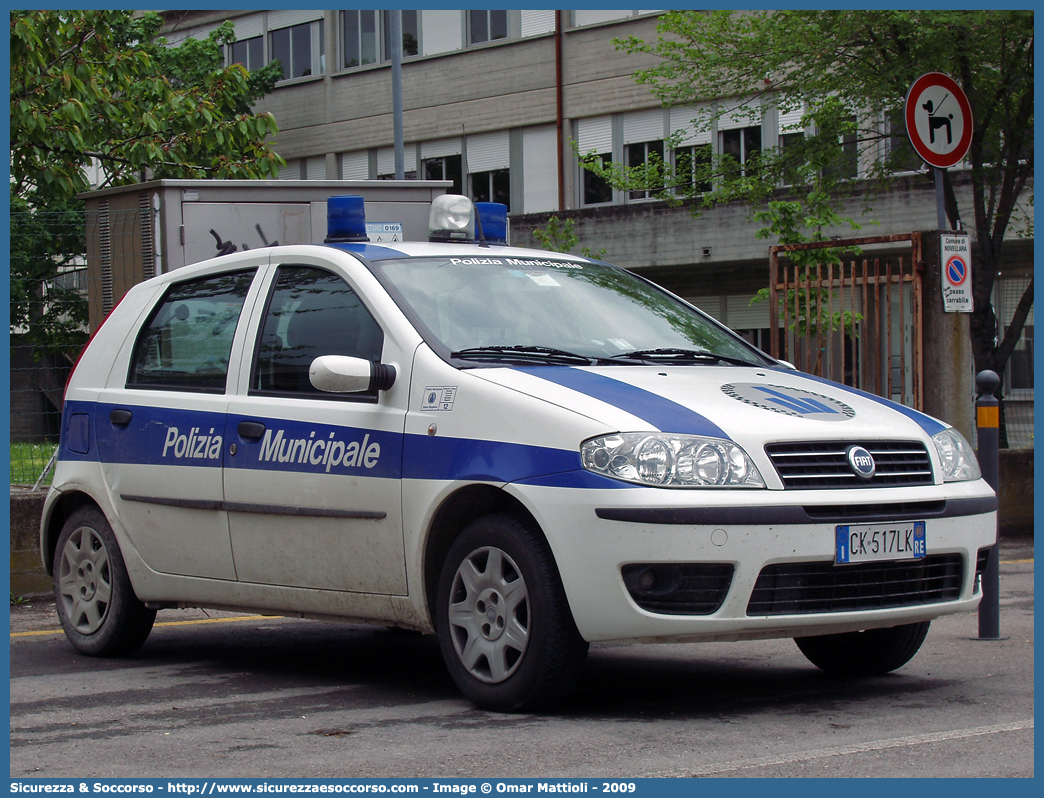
x=862 y=462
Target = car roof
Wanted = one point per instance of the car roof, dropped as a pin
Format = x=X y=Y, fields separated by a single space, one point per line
x=369 y=251
x=421 y=249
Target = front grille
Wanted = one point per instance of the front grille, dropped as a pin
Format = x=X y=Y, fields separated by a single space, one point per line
x=824 y=464
x=821 y=587
x=893 y=511
x=678 y=588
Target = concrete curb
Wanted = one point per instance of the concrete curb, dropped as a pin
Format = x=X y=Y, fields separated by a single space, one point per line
x=28 y=577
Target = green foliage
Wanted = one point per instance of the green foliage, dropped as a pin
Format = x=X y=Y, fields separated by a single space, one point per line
x=848 y=72
x=787 y=221
x=28 y=460
x=845 y=69
x=90 y=85
x=97 y=87
x=194 y=61
x=562 y=237
x=47 y=256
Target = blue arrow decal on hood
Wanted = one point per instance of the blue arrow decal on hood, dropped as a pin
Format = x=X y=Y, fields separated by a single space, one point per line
x=661 y=413
x=924 y=421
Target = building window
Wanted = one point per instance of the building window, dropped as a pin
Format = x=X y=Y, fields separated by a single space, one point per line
x=486 y=26
x=366 y=37
x=688 y=161
x=250 y=53
x=445 y=168
x=360 y=38
x=847 y=168
x=596 y=190
x=794 y=172
x=638 y=155
x=494 y=186
x=292 y=47
x=743 y=144
x=410 y=34
x=901 y=156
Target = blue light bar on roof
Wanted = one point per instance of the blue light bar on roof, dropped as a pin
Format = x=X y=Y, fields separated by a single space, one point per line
x=493 y=217
x=345 y=219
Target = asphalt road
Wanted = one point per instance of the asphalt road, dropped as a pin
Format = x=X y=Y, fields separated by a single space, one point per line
x=221 y=695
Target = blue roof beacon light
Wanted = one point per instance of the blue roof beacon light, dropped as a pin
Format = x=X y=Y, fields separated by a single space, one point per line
x=345 y=220
x=452 y=218
x=493 y=218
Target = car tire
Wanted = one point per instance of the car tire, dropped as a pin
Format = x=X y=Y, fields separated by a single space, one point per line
x=505 y=629
x=872 y=652
x=96 y=604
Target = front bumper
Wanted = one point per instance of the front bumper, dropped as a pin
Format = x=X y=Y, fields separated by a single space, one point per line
x=595 y=534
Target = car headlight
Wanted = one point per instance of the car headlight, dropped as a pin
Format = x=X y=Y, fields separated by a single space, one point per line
x=956 y=456
x=671 y=461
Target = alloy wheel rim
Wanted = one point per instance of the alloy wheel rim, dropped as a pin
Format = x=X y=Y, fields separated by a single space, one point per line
x=489 y=615
x=85 y=580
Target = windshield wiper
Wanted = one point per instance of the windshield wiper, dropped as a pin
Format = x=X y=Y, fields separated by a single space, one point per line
x=543 y=353
x=670 y=354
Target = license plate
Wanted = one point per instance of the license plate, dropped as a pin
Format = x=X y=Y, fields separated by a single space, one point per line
x=902 y=540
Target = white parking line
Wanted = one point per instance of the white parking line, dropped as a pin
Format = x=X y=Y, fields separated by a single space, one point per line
x=822 y=753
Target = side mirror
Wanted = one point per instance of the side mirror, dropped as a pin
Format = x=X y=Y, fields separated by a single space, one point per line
x=341 y=374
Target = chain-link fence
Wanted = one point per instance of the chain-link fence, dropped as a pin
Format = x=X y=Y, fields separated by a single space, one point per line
x=55 y=301
x=1017 y=405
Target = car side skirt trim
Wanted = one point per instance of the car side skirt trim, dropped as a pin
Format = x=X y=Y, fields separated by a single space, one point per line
x=267 y=509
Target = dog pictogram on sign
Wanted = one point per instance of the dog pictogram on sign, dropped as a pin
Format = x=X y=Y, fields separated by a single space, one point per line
x=938 y=120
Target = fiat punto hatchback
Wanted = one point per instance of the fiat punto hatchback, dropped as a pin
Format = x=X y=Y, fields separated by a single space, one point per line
x=521 y=452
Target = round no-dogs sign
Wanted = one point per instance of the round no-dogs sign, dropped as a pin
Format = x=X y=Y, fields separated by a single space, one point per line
x=938 y=120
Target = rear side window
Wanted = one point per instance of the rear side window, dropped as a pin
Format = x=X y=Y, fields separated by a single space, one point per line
x=311 y=312
x=185 y=344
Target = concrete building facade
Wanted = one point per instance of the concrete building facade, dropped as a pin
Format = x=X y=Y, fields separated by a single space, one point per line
x=499 y=102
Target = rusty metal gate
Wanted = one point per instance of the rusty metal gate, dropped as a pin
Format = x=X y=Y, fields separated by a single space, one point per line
x=858 y=322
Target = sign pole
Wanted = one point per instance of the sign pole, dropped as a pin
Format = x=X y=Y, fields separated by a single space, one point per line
x=939 y=123
x=940 y=198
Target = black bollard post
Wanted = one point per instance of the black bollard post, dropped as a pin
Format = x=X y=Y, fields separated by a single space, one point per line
x=988 y=430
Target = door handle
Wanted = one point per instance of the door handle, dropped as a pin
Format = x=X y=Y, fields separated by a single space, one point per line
x=120 y=417
x=251 y=430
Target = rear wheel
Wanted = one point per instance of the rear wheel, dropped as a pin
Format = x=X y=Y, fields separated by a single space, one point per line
x=96 y=604
x=869 y=653
x=505 y=630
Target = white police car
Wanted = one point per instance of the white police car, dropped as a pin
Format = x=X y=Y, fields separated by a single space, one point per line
x=522 y=452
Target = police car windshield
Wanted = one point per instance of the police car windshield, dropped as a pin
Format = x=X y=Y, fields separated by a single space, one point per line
x=508 y=308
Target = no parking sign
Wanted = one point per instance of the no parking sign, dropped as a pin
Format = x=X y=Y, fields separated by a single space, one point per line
x=956 y=274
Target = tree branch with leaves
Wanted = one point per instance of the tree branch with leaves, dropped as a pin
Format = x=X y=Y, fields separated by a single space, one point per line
x=848 y=72
x=100 y=88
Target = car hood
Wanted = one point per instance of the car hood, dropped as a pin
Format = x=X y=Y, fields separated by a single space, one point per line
x=751 y=406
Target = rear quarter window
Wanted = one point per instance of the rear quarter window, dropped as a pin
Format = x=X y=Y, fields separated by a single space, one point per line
x=186 y=343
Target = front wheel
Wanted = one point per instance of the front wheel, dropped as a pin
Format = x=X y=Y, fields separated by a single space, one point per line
x=96 y=604
x=505 y=629
x=872 y=652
